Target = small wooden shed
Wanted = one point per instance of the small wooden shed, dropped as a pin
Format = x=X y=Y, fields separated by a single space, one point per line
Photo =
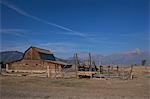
x=36 y=60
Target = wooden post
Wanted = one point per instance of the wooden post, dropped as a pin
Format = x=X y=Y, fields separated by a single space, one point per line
x=131 y=75
x=7 y=68
x=90 y=67
x=118 y=71
x=112 y=68
x=90 y=64
x=101 y=69
x=48 y=72
x=123 y=72
x=0 y=68
x=75 y=62
x=62 y=72
x=108 y=71
x=55 y=72
x=77 y=67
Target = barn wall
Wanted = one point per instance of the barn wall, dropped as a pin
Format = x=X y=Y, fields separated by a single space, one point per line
x=34 y=66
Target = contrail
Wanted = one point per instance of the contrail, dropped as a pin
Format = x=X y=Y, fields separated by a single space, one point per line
x=20 y=11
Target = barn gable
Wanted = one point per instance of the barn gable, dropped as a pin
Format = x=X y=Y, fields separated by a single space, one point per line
x=34 y=53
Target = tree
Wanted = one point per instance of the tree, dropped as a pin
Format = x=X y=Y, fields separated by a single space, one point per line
x=143 y=62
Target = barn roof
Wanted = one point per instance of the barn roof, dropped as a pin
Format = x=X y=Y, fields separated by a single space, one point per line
x=60 y=62
x=42 y=50
x=45 y=54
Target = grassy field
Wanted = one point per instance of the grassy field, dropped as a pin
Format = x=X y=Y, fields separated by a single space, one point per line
x=44 y=88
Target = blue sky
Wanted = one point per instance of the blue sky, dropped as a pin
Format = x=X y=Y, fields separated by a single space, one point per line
x=69 y=26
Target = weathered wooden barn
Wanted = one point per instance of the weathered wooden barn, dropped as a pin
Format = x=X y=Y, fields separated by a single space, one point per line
x=37 y=60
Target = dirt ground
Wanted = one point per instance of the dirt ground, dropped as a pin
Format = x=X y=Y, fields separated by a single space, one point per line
x=45 y=88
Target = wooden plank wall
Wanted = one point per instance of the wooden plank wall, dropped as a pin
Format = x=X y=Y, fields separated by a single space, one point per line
x=35 y=65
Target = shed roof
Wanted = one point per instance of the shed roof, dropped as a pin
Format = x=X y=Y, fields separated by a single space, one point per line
x=58 y=62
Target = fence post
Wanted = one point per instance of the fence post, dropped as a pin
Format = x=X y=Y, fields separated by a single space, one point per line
x=131 y=74
x=123 y=72
x=90 y=67
x=112 y=68
x=55 y=72
x=108 y=71
x=0 y=68
x=118 y=71
x=101 y=69
x=75 y=63
x=48 y=71
x=7 y=68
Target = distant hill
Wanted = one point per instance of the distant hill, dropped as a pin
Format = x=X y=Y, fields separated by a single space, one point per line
x=8 y=56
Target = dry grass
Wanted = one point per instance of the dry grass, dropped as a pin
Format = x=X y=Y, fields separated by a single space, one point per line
x=44 y=88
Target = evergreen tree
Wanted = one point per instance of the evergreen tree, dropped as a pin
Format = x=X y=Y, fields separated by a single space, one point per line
x=143 y=62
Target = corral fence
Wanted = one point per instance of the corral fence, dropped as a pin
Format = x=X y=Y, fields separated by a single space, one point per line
x=106 y=72
x=91 y=70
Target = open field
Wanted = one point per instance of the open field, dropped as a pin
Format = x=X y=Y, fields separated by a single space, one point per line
x=43 y=88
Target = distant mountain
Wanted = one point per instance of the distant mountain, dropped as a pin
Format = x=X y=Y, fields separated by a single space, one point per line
x=127 y=58
x=130 y=57
x=60 y=59
x=8 y=56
